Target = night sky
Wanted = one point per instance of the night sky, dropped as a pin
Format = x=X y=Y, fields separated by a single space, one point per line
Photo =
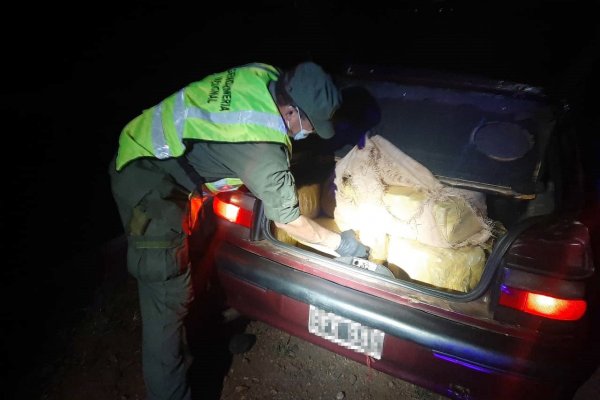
x=75 y=75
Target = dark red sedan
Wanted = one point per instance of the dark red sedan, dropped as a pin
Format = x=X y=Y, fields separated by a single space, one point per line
x=524 y=322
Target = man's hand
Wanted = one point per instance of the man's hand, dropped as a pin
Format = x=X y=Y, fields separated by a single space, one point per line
x=349 y=246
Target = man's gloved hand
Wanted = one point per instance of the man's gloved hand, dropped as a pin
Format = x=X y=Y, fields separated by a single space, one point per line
x=349 y=246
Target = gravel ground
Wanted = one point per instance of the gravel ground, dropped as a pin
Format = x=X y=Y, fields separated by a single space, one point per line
x=281 y=366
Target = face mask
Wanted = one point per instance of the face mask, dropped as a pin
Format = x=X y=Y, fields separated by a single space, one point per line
x=302 y=133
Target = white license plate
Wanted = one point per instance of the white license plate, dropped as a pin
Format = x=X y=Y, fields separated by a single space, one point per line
x=345 y=332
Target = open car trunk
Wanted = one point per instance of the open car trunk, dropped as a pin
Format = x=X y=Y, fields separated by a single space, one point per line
x=475 y=154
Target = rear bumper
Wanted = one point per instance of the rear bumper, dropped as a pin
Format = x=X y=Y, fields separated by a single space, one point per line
x=425 y=349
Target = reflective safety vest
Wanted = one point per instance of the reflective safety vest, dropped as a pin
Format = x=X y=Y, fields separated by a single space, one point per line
x=233 y=106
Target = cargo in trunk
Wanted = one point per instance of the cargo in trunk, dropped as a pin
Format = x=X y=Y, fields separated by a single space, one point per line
x=417 y=227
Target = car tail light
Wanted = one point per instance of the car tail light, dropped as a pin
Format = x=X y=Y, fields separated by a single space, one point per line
x=542 y=305
x=236 y=206
x=559 y=249
x=545 y=274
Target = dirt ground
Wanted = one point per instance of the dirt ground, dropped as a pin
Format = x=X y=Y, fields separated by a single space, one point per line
x=103 y=361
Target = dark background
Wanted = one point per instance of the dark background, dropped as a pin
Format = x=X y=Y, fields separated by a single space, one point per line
x=75 y=75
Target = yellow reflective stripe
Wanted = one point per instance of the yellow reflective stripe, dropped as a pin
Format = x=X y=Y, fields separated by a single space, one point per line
x=159 y=142
x=172 y=110
x=266 y=120
x=231 y=106
x=182 y=114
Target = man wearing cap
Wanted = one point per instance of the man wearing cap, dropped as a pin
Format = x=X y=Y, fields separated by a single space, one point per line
x=233 y=124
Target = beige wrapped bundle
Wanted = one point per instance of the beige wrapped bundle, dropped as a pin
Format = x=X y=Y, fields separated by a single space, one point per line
x=447 y=222
x=309 y=197
x=377 y=240
x=282 y=236
x=457 y=269
x=325 y=222
x=370 y=230
x=308 y=202
x=328 y=223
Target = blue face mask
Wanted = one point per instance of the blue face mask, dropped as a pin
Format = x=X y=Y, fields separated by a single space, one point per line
x=302 y=133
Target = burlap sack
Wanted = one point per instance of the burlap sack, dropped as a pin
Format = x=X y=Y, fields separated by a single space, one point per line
x=436 y=215
x=418 y=216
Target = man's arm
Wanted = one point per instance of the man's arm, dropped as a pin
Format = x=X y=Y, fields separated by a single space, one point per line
x=264 y=169
x=307 y=230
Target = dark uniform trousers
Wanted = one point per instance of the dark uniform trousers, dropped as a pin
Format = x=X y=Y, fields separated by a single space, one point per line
x=153 y=208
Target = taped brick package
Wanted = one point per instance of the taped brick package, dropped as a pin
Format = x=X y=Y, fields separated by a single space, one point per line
x=309 y=198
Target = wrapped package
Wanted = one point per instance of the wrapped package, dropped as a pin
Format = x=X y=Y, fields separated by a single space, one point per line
x=456 y=269
x=308 y=202
x=328 y=223
x=414 y=225
x=282 y=236
x=309 y=197
x=447 y=222
x=377 y=240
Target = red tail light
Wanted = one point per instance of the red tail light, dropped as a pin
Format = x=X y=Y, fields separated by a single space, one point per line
x=546 y=272
x=542 y=305
x=235 y=207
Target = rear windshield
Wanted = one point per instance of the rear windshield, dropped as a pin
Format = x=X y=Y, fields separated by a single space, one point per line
x=490 y=140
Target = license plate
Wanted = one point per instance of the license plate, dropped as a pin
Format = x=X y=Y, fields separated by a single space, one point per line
x=345 y=332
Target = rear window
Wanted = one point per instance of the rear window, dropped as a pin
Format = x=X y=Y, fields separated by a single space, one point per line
x=489 y=139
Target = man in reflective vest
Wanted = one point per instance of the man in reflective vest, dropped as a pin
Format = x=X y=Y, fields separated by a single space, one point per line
x=233 y=124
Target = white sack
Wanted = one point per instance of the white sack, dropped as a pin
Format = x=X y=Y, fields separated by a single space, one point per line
x=362 y=178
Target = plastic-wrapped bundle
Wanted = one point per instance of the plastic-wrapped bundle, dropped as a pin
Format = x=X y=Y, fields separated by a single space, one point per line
x=457 y=269
x=309 y=197
x=308 y=202
x=446 y=222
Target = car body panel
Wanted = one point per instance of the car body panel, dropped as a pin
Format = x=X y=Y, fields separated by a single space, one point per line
x=415 y=341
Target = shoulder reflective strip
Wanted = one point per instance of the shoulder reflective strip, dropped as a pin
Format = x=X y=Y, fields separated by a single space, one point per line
x=159 y=143
x=267 y=120
x=181 y=113
x=161 y=147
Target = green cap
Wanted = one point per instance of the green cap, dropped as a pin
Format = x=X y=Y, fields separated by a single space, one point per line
x=313 y=90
